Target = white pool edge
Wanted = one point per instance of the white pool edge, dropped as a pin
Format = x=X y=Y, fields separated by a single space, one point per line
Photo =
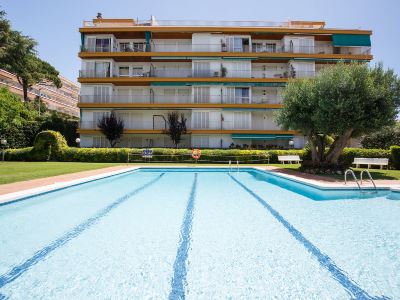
x=11 y=197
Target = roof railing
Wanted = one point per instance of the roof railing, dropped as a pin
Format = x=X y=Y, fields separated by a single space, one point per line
x=199 y=23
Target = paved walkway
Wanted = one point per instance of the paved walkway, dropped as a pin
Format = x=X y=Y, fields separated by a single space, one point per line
x=35 y=183
x=307 y=178
x=323 y=181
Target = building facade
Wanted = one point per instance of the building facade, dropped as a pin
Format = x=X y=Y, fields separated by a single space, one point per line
x=64 y=99
x=226 y=78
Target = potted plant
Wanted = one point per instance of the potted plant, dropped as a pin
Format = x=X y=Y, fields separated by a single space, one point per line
x=224 y=71
x=224 y=48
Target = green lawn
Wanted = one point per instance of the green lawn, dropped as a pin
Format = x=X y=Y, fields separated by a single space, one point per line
x=19 y=171
x=375 y=173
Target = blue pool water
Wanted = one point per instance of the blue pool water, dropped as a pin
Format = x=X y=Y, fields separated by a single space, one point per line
x=200 y=234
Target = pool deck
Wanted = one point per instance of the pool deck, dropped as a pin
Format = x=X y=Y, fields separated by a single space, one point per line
x=16 y=190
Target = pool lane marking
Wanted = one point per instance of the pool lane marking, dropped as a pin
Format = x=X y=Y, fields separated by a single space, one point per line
x=20 y=269
x=324 y=260
x=178 y=281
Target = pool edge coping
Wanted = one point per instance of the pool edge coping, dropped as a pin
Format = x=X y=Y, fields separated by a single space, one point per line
x=44 y=189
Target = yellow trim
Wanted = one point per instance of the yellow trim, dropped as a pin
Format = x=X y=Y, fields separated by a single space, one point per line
x=235 y=29
x=127 y=80
x=176 y=105
x=194 y=131
x=222 y=54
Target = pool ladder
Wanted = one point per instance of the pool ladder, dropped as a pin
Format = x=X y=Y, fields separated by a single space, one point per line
x=361 y=178
x=230 y=166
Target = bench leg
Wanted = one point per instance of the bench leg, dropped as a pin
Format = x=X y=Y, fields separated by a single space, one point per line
x=357 y=166
x=381 y=167
x=369 y=166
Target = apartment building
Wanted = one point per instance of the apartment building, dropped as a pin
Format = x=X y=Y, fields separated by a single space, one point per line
x=225 y=77
x=64 y=99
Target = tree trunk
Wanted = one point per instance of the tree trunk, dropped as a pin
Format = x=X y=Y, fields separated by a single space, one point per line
x=25 y=87
x=338 y=146
x=314 y=155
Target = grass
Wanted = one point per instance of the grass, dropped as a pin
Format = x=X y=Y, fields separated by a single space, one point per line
x=20 y=171
x=375 y=173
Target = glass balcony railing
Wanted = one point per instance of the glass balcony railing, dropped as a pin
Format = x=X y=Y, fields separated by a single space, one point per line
x=192 y=124
x=190 y=73
x=173 y=99
x=224 y=47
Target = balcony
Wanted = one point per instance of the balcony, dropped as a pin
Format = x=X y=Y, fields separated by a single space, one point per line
x=166 y=99
x=190 y=73
x=212 y=125
x=223 y=47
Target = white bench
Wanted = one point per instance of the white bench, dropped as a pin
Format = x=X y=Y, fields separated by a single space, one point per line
x=371 y=161
x=289 y=158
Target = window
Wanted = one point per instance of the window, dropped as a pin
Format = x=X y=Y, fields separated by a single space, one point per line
x=201 y=119
x=240 y=69
x=139 y=47
x=103 y=45
x=241 y=120
x=102 y=69
x=137 y=71
x=101 y=94
x=242 y=95
x=270 y=48
x=201 y=94
x=125 y=47
x=200 y=141
x=257 y=47
x=237 y=95
x=201 y=69
x=123 y=71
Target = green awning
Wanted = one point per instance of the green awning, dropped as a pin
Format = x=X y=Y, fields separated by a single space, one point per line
x=243 y=136
x=351 y=40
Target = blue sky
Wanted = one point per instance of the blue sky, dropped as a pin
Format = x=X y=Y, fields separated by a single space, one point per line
x=54 y=23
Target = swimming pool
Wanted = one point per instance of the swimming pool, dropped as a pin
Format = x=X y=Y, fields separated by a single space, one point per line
x=200 y=234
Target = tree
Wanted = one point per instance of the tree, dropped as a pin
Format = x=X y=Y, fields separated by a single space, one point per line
x=112 y=127
x=64 y=124
x=18 y=121
x=382 y=139
x=5 y=29
x=176 y=127
x=18 y=56
x=344 y=101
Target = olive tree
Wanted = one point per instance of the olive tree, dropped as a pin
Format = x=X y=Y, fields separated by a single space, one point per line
x=343 y=101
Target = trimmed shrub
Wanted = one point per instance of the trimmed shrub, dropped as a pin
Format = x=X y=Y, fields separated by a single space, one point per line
x=48 y=145
x=395 y=156
x=62 y=153
x=21 y=154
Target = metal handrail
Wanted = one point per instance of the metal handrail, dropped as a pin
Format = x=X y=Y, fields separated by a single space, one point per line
x=369 y=175
x=354 y=177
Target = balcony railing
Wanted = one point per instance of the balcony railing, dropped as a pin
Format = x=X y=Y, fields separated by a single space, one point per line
x=208 y=23
x=132 y=124
x=190 y=73
x=165 y=99
x=223 y=47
